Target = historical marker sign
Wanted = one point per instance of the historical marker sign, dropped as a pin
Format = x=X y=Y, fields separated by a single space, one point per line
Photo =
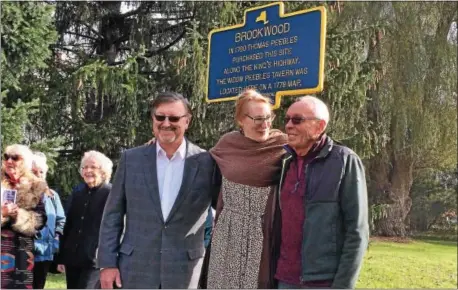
x=275 y=53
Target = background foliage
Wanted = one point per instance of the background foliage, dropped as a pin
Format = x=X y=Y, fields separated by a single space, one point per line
x=78 y=76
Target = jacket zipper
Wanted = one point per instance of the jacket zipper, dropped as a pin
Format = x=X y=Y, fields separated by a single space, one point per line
x=281 y=180
x=305 y=201
x=306 y=181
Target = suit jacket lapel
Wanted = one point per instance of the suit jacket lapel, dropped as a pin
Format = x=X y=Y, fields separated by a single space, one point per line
x=189 y=173
x=150 y=170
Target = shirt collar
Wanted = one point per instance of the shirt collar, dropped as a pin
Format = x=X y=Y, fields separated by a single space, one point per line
x=181 y=151
x=319 y=144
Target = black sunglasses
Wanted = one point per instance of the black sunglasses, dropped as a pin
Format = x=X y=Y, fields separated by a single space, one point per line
x=172 y=119
x=14 y=157
x=298 y=120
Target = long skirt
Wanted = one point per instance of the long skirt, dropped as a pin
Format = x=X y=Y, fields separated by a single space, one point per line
x=17 y=260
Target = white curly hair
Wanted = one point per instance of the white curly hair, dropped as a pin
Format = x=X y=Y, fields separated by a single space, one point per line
x=106 y=165
x=40 y=161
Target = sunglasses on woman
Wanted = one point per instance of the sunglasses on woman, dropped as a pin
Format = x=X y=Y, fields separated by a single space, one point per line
x=14 y=157
x=172 y=119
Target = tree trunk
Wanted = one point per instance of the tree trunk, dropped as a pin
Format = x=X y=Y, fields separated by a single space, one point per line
x=394 y=224
x=391 y=178
x=391 y=181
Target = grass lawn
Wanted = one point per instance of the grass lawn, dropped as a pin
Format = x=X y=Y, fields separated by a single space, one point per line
x=55 y=281
x=417 y=264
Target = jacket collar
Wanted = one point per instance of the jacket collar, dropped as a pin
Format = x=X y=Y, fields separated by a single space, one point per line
x=324 y=152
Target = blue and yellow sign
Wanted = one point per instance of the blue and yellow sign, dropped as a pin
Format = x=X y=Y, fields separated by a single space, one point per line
x=275 y=53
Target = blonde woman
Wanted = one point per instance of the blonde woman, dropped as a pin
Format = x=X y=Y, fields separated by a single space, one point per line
x=84 y=215
x=23 y=215
x=249 y=161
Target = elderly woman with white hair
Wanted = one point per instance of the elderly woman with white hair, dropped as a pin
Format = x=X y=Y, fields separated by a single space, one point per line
x=84 y=214
x=47 y=242
x=23 y=216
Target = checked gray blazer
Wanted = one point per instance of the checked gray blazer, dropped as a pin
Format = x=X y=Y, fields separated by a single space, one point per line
x=156 y=252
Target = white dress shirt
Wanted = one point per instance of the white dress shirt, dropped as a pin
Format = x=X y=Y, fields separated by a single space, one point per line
x=169 y=176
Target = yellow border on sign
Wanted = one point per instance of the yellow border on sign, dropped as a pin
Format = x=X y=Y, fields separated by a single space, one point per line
x=278 y=94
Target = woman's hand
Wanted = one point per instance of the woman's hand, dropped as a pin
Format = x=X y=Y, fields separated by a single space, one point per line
x=5 y=210
x=61 y=268
x=151 y=142
x=12 y=210
x=9 y=209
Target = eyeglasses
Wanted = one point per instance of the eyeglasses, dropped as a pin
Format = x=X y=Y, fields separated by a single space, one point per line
x=90 y=167
x=298 y=120
x=172 y=119
x=14 y=157
x=261 y=120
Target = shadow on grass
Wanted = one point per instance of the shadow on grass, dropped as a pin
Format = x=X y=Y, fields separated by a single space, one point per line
x=449 y=238
x=443 y=240
x=438 y=241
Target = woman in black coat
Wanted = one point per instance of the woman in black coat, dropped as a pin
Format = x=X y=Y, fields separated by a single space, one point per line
x=84 y=214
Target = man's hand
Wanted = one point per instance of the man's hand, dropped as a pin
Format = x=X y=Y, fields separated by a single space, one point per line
x=61 y=268
x=108 y=277
x=150 y=142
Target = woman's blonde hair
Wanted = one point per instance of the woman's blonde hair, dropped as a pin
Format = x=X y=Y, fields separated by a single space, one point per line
x=27 y=159
x=24 y=152
x=106 y=165
x=248 y=95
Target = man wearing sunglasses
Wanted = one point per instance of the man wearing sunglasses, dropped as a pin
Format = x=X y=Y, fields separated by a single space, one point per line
x=321 y=228
x=164 y=191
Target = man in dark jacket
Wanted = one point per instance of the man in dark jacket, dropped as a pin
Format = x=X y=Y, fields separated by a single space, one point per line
x=321 y=228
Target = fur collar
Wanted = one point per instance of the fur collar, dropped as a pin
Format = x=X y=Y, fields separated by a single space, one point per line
x=30 y=190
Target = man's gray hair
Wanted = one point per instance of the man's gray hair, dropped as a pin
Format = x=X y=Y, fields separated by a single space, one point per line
x=319 y=107
x=106 y=165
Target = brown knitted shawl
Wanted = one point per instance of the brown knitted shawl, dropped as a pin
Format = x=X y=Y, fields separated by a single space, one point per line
x=245 y=161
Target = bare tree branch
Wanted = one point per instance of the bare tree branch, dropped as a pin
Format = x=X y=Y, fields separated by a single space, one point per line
x=136 y=11
x=171 y=27
x=69 y=50
x=151 y=53
x=91 y=29
x=158 y=51
x=175 y=18
x=122 y=39
x=81 y=35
